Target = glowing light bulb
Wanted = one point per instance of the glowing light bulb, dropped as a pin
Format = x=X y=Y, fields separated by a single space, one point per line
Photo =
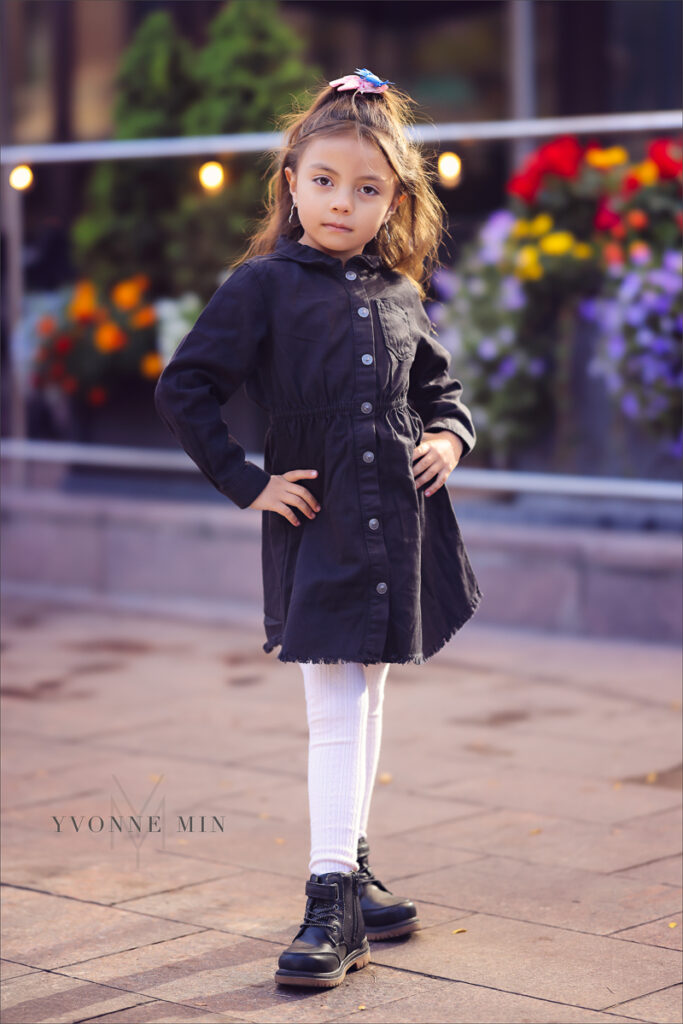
x=211 y=175
x=450 y=169
x=20 y=177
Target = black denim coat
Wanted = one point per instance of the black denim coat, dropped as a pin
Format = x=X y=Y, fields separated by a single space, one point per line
x=344 y=359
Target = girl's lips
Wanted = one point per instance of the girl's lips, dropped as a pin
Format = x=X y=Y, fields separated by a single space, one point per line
x=333 y=227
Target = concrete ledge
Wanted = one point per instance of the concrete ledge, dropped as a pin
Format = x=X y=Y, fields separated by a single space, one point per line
x=191 y=557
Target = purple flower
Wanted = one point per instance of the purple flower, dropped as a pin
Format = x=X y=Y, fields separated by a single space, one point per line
x=497 y=228
x=435 y=311
x=650 y=369
x=487 y=348
x=630 y=405
x=662 y=345
x=446 y=284
x=667 y=280
x=645 y=336
x=536 y=366
x=635 y=315
x=616 y=346
x=673 y=260
x=512 y=294
x=507 y=367
x=629 y=287
x=588 y=309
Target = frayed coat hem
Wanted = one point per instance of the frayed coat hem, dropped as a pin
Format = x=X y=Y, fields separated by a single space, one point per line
x=419 y=658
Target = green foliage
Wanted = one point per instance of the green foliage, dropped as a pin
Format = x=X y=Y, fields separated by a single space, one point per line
x=152 y=214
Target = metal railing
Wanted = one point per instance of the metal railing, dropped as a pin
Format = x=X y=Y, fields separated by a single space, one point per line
x=491 y=480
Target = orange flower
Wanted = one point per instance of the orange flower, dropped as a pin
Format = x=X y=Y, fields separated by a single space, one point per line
x=83 y=303
x=144 y=317
x=97 y=396
x=151 y=365
x=46 y=325
x=637 y=219
x=126 y=294
x=618 y=230
x=109 y=337
x=613 y=253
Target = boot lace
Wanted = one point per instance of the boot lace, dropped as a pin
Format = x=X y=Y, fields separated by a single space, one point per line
x=366 y=874
x=320 y=912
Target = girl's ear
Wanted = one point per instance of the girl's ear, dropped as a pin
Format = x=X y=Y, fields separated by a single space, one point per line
x=395 y=205
x=289 y=175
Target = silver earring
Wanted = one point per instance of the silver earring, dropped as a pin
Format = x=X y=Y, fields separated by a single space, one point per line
x=291 y=213
x=386 y=228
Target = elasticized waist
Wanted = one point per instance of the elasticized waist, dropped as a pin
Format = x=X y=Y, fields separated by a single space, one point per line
x=337 y=407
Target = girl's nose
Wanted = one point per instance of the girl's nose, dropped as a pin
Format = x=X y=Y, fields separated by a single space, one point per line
x=341 y=203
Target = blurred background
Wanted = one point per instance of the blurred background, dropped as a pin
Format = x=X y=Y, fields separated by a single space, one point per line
x=554 y=130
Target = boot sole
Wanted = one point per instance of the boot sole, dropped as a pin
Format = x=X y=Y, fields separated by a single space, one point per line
x=314 y=979
x=413 y=925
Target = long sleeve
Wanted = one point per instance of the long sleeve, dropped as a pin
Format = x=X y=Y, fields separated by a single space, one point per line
x=432 y=392
x=211 y=362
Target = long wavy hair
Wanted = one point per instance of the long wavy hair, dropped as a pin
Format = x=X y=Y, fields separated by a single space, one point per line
x=417 y=225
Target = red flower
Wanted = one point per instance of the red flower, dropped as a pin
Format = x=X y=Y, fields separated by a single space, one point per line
x=561 y=156
x=524 y=185
x=664 y=153
x=630 y=183
x=604 y=217
x=63 y=344
x=97 y=396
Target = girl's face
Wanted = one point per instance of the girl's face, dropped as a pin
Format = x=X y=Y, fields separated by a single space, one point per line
x=344 y=190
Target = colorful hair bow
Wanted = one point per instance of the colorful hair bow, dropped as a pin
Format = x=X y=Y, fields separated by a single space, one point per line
x=363 y=80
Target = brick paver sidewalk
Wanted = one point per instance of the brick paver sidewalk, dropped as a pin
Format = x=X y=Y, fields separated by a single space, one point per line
x=528 y=800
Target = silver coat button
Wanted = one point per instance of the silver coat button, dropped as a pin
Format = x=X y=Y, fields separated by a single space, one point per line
x=366 y=358
x=351 y=275
x=373 y=523
x=368 y=456
x=366 y=407
x=363 y=311
x=381 y=588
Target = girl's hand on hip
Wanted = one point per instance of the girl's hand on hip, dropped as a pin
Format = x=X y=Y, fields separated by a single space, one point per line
x=437 y=456
x=281 y=491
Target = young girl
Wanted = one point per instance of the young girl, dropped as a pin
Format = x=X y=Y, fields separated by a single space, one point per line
x=363 y=561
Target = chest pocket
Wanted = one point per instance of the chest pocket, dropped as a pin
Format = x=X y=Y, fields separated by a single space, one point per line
x=398 y=336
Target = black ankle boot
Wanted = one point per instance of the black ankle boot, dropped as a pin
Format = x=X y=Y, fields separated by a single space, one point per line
x=331 y=939
x=386 y=916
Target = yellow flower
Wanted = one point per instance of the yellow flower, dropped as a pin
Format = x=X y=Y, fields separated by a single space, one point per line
x=647 y=172
x=527 y=264
x=541 y=224
x=109 y=337
x=557 y=243
x=144 y=317
x=151 y=365
x=582 y=250
x=126 y=294
x=520 y=228
x=603 y=159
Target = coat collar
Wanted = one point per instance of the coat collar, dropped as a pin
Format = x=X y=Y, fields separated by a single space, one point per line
x=294 y=250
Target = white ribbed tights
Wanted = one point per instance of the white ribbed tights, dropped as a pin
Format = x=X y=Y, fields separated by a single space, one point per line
x=344 y=705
